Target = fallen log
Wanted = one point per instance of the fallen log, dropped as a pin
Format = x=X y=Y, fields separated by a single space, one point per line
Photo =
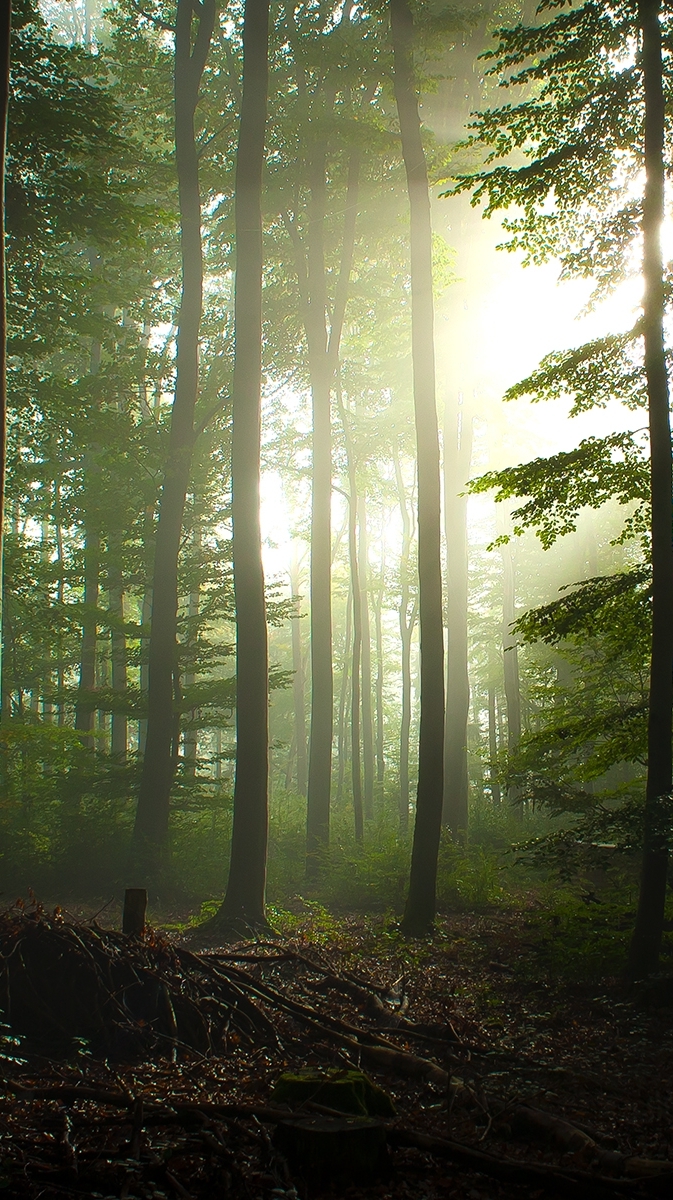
x=569 y=1137
x=371 y=1047
x=385 y=1017
x=565 y=1136
x=565 y=1182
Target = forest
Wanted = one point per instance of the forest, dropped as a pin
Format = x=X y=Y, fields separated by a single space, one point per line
x=336 y=551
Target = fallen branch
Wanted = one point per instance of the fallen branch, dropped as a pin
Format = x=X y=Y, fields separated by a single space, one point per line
x=572 y=1183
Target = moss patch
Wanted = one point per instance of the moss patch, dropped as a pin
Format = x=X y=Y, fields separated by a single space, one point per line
x=346 y=1091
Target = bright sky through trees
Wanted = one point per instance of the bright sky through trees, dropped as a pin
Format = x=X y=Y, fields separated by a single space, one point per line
x=497 y=320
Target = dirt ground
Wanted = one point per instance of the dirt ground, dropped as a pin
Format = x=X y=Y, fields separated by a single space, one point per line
x=513 y=1034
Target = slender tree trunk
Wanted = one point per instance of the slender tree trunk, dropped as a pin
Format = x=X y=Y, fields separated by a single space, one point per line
x=380 y=673
x=298 y=688
x=190 y=737
x=218 y=754
x=245 y=896
x=646 y=941
x=5 y=38
x=60 y=600
x=493 y=747
x=151 y=826
x=84 y=711
x=290 y=762
x=146 y=620
x=457 y=458
x=356 y=593
x=343 y=693
x=420 y=907
x=322 y=684
x=356 y=769
x=366 y=665
x=407 y=624
x=510 y=660
x=47 y=681
x=85 y=717
x=323 y=355
x=190 y=740
x=119 y=734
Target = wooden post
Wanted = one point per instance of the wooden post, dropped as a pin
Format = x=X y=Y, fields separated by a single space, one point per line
x=135 y=908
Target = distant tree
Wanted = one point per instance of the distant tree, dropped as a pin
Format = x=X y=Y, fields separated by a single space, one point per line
x=456 y=470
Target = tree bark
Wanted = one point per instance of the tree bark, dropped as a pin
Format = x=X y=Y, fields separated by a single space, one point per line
x=323 y=356
x=343 y=692
x=493 y=747
x=646 y=941
x=322 y=684
x=245 y=896
x=119 y=732
x=85 y=716
x=84 y=711
x=298 y=688
x=380 y=673
x=510 y=660
x=146 y=620
x=190 y=740
x=457 y=458
x=356 y=593
x=366 y=664
x=5 y=39
x=60 y=599
x=420 y=907
x=407 y=623
x=151 y=825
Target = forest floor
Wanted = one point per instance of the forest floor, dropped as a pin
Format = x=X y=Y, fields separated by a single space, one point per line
x=522 y=1037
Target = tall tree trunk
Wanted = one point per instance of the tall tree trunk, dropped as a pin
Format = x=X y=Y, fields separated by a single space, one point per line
x=85 y=716
x=366 y=664
x=60 y=600
x=343 y=693
x=646 y=941
x=218 y=754
x=245 y=896
x=493 y=747
x=322 y=684
x=420 y=907
x=323 y=356
x=407 y=623
x=380 y=672
x=510 y=660
x=457 y=458
x=356 y=593
x=298 y=687
x=5 y=38
x=118 y=648
x=290 y=762
x=151 y=825
x=146 y=620
x=84 y=711
x=190 y=740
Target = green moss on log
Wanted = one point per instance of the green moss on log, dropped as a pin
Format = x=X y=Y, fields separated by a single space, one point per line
x=346 y=1091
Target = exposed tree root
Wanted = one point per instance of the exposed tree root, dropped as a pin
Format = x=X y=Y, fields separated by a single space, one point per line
x=131 y=998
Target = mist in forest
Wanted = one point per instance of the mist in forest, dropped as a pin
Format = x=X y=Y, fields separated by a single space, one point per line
x=243 y=493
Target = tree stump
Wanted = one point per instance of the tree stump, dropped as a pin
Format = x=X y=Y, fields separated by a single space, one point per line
x=348 y=1091
x=135 y=910
x=333 y=1149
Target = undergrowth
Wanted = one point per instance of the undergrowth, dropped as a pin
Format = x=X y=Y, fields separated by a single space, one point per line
x=65 y=831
